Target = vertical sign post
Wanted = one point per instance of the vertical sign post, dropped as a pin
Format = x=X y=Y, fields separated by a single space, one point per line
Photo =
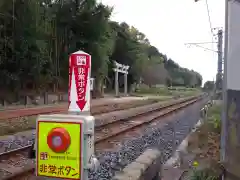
x=65 y=142
x=79 y=82
x=79 y=103
x=231 y=110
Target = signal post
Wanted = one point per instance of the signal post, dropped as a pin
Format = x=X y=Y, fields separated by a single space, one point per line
x=65 y=142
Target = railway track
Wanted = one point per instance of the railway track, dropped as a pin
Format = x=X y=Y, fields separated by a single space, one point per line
x=118 y=130
x=15 y=164
x=96 y=109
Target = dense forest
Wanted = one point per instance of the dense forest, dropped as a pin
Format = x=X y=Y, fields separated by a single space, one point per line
x=37 y=36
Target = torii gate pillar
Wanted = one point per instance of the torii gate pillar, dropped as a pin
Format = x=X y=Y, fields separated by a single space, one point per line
x=122 y=69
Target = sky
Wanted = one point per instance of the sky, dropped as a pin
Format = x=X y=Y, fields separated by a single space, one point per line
x=169 y=24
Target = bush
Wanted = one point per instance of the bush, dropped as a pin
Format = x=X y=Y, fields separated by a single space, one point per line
x=165 y=91
x=214 y=117
x=205 y=174
x=154 y=90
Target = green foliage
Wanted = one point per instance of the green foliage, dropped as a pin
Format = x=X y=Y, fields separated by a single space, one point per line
x=208 y=85
x=214 y=117
x=205 y=174
x=182 y=88
x=154 y=90
x=164 y=91
x=182 y=76
x=37 y=36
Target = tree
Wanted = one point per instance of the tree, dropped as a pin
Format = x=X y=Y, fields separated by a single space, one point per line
x=182 y=76
x=155 y=74
x=209 y=85
x=37 y=36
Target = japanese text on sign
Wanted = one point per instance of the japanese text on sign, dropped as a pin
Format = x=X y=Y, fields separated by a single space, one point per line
x=60 y=171
x=81 y=83
x=81 y=60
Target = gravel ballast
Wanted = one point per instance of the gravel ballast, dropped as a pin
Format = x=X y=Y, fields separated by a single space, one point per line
x=158 y=135
x=155 y=136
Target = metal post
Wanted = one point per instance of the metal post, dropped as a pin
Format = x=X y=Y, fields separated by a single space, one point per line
x=125 y=84
x=116 y=84
x=219 y=70
x=218 y=83
x=75 y=130
x=120 y=68
x=224 y=89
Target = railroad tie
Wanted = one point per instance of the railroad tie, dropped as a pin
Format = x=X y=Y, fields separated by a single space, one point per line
x=9 y=168
x=13 y=171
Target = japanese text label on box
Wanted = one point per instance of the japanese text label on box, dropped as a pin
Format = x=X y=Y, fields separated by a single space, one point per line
x=65 y=165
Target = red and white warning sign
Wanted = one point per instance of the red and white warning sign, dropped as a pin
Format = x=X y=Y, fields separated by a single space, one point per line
x=79 y=82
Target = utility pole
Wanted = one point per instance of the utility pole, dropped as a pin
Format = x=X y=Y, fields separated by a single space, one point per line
x=220 y=60
x=230 y=137
x=218 y=84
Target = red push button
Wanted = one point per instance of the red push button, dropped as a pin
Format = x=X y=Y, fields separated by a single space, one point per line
x=58 y=140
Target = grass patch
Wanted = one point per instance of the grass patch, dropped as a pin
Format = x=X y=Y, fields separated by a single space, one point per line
x=214 y=118
x=154 y=90
x=186 y=93
x=204 y=143
x=164 y=91
x=205 y=174
x=12 y=126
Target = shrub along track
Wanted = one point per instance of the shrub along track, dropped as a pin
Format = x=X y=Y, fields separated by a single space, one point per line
x=16 y=165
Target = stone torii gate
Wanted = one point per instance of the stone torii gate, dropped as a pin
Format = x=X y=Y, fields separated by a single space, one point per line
x=122 y=69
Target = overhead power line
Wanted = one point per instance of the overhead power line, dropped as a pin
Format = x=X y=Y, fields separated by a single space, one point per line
x=209 y=18
x=200 y=43
x=197 y=45
x=210 y=22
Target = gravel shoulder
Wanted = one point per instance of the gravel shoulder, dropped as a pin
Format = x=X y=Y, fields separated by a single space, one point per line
x=158 y=135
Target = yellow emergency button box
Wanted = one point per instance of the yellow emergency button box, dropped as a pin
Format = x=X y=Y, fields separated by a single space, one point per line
x=59 y=147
